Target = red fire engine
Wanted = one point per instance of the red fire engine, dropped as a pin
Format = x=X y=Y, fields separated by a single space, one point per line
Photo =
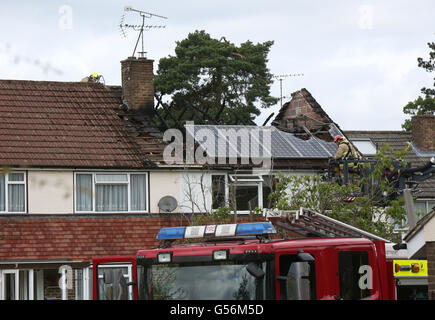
x=244 y=261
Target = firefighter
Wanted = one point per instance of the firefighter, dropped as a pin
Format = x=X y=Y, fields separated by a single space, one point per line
x=93 y=77
x=346 y=151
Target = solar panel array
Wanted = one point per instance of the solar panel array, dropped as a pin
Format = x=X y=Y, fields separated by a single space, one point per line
x=244 y=141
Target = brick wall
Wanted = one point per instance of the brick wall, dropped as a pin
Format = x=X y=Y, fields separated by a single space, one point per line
x=430 y=253
x=137 y=83
x=80 y=238
x=423 y=131
x=303 y=111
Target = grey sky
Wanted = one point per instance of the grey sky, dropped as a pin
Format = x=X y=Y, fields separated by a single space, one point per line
x=359 y=58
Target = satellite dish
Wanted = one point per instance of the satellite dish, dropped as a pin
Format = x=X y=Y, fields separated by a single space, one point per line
x=167 y=204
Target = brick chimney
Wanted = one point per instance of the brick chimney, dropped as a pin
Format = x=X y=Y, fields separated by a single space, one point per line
x=423 y=131
x=137 y=83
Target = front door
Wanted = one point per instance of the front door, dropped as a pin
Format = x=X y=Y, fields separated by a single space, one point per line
x=9 y=285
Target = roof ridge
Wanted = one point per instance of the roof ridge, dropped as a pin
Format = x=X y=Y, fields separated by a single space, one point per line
x=378 y=131
x=36 y=82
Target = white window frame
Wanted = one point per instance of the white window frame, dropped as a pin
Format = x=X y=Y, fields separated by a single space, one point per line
x=226 y=188
x=249 y=180
x=85 y=283
x=370 y=143
x=426 y=203
x=94 y=183
x=245 y=178
x=128 y=276
x=25 y=283
x=7 y=183
x=3 y=274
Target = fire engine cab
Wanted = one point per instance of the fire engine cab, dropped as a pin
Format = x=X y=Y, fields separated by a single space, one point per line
x=332 y=260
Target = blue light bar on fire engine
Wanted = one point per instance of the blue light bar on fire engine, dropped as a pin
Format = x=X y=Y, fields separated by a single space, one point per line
x=219 y=230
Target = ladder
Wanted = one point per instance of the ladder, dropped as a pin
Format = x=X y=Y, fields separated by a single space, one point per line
x=309 y=223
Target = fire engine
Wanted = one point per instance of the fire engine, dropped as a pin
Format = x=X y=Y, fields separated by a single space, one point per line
x=331 y=260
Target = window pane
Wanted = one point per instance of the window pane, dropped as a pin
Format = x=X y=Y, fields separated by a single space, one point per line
x=300 y=278
x=138 y=192
x=84 y=192
x=267 y=190
x=112 y=284
x=2 y=193
x=246 y=197
x=16 y=198
x=430 y=206
x=79 y=284
x=420 y=207
x=16 y=177
x=349 y=263
x=366 y=147
x=218 y=191
x=120 y=177
x=111 y=197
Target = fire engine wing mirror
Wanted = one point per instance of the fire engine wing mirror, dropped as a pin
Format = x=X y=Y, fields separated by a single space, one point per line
x=254 y=270
x=305 y=257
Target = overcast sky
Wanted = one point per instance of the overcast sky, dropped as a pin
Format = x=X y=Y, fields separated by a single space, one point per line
x=359 y=58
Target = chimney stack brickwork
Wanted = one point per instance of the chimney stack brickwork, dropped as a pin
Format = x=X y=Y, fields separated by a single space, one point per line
x=423 y=131
x=138 y=83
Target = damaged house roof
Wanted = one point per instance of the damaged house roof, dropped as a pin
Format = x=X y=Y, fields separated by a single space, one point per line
x=72 y=124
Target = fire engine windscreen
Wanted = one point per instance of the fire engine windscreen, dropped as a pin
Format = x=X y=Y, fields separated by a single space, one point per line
x=206 y=281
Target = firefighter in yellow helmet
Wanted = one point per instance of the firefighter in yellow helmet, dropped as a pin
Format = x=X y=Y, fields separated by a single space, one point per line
x=93 y=77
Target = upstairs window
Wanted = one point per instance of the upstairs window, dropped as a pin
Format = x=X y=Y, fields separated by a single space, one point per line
x=111 y=192
x=248 y=190
x=13 y=192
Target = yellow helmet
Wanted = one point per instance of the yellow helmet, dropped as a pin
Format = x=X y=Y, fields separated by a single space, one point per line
x=95 y=75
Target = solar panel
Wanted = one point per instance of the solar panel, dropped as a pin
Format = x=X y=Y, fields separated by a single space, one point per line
x=240 y=141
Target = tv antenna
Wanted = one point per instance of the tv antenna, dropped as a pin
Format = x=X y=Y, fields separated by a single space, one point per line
x=145 y=15
x=282 y=77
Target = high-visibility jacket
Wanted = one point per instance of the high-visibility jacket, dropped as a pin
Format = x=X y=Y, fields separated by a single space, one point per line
x=345 y=151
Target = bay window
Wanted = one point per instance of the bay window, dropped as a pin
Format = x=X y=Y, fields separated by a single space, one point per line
x=111 y=192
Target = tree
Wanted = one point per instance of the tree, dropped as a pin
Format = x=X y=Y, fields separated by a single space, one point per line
x=421 y=105
x=367 y=212
x=429 y=65
x=214 y=76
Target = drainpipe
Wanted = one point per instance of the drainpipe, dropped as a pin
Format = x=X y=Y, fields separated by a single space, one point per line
x=409 y=207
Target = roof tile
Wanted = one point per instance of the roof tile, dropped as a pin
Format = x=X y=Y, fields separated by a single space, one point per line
x=66 y=124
